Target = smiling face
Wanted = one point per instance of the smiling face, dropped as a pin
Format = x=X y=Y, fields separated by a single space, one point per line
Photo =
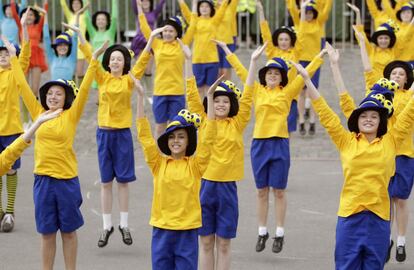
x=283 y=41
x=169 y=34
x=30 y=19
x=55 y=97
x=178 y=142
x=398 y=74
x=101 y=22
x=273 y=77
x=4 y=59
x=116 y=63
x=222 y=106
x=76 y=5
x=62 y=49
x=368 y=123
x=205 y=9
x=383 y=41
x=309 y=15
x=406 y=15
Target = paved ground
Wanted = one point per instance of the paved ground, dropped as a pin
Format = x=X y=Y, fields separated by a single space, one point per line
x=313 y=193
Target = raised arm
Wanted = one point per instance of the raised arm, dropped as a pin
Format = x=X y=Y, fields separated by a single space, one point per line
x=47 y=42
x=140 y=65
x=323 y=15
x=189 y=34
x=185 y=11
x=66 y=11
x=157 y=10
x=15 y=15
x=143 y=23
x=386 y=5
x=218 y=17
x=253 y=65
x=74 y=52
x=373 y=8
x=357 y=13
x=234 y=61
x=293 y=11
x=114 y=17
x=25 y=53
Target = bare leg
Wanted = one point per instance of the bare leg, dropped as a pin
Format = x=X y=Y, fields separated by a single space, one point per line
x=301 y=106
x=281 y=204
x=123 y=196
x=207 y=252
x=401 y=214
x=106 y=198
x=262 y=206
x=226 y=72
x=159 y=129
x=48 y=246
x=202 y=90
x=70 y=247
x=223 y=253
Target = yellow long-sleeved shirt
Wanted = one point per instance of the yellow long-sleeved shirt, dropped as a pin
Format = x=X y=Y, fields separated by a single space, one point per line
x=392 y=12
x=169 y=60
x=227 y=154
x=378 y=57
x=11 y=153
x=114 y=110
x=272 y=106
x=176 y=200
x=10 y=123
x=406 y=51
x=227 y=29
x=206 y=30
x=379 y=16
x=54 y=155
x=367 y=167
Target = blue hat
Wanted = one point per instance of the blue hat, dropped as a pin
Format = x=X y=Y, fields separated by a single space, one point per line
x=380 y=100
x=178 y=23
x=406 y=6
x=278 y=63
x=63 y=38
x=184 y=120
x=388 y=28
x=312 y=7
x=227 y=88
x=71 y=91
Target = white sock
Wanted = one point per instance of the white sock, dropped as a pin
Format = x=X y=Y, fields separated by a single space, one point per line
x=400 y=241
x=307 y=103
x=107 y=221
x=280 y=231
x=262 y=230
x=124 y=220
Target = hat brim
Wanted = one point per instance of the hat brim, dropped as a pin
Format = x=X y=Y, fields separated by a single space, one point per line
x=262 y=76
x=69 y=95
x=398 y=14
x=125 y=53
x=376 y=34
x=192 y=139
x=353 y=119
x=284 y=30
x=401 y=64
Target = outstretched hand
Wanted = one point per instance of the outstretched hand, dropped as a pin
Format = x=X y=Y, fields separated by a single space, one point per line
x=219 y=43
x=10 y=47
x=301 y=70
x=210 y=91
x=333 y=54
x=157 y=31
x=71 y=27
x=82 y=10
x=48 y=115
x=258 y=52
x=353 y=7
x=101 y=49
x=24 y=17
x=138 y=85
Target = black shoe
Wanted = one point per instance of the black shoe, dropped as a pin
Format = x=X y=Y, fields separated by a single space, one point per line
x=312 y=129
x=126 y=235
x=103 y=239
x=389 y=251
x=307 y=113
x=261 y=242
x=400 y=254
x=277 y=244
x=302 y=130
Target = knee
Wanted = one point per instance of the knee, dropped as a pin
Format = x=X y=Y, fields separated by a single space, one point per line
x=207 y=243
x=11 y=172
x=279 y=194
x=223 y=246
x=50 y=237
x=107 y=186
x=401 y=204
x=263 y=193
x=68 y=236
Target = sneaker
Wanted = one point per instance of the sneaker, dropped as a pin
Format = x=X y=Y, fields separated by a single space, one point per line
x=277 y=244
x=7 y=222
x=103 y=239
x=389 y=251
x=312 y=129
x=261 y=242
x=400 y=254
x=126 y=235
x=302 y=130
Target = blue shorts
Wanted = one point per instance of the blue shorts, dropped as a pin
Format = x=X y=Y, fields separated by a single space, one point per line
x=115 y=155
x=402 y=181
x=6 y=141
x=174 y=249
x=293 y=116
x=220 y=208
x=166 y=107
x=315 y=78
x=206 y=74
x=223 y=63
x=270 y=162
x=57 y=204
x=362 y=241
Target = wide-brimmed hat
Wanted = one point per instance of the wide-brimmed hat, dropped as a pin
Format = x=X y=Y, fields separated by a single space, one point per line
x=71 y=90
x=107 y=15
x=229 y=89
x=401 y=64
x=406 y=6
x=311 y=6
x=278 y=63
x=63 y=38
x=379 y=99
x=128 y=54
x=178 y=23
x=213 y=10
x=184 y=120
x=35 y=12
x=284 y=29
x=388 y=28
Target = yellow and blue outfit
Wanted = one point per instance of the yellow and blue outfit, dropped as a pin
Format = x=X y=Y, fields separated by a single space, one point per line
x=56 y=190
x=206 y=65
x=270 y=154
x=168 y=95
x=364 y=209
x=176 y=209
x=218 y=195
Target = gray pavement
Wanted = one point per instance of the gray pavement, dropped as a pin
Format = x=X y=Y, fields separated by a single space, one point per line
x=313 y=194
